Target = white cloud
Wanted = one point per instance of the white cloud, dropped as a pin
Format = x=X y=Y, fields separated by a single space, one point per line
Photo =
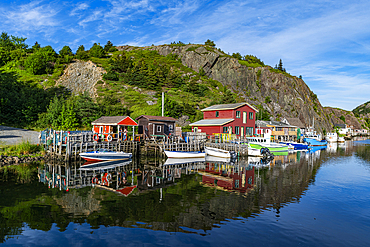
x=79 y=8
x=31 y=17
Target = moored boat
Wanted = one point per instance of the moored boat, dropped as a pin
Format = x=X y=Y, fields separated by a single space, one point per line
x=341 y=139
x=219 y=152
x=331 y=137
x=182 y=154
x=313 y=141
x=297 y=146
x=261 y=142
x=104 y=154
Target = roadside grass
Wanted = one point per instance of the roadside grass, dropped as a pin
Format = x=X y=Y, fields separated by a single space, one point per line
x=23 y=148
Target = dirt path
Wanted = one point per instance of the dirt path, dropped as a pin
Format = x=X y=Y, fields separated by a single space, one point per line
x=11 y=136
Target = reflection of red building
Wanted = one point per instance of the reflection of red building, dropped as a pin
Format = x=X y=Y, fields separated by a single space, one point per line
x=229 y=177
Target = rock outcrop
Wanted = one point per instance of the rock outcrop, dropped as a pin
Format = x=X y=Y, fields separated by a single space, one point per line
x=337 y=115
x=81 y=76
x=282 y=95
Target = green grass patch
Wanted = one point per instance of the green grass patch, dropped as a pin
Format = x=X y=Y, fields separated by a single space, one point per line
x=23 y=148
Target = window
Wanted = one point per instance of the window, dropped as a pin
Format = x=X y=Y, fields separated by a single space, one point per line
x=217 y=114
x=248 y=131
x=224 y=129
x=244 y=117
x=237 y=130
x=279 y=129
x=237 y=114
x=251 y=115
x=159 y=128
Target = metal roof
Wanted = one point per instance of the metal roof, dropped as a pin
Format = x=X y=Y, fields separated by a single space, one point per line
x=112 y=120
x=157 y=118
x=228 y=107
x=212 y=122
x=262 y=123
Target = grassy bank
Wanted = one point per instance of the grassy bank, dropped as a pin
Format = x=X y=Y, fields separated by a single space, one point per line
x=23 y=149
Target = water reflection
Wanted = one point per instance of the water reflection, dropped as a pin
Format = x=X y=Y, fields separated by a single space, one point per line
x=192 y=195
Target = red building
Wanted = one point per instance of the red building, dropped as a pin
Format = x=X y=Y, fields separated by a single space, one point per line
x=113 y=128
x=238 y=119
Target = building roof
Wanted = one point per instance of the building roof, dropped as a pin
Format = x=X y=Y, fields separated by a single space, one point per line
x=343 y=126
x=261 y=123
x=296 y=122
x=228 y=107
x=157 y=118
x=115 y=120
x=212 y=122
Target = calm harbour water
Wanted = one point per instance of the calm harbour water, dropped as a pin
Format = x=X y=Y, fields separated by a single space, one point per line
x=317 y=198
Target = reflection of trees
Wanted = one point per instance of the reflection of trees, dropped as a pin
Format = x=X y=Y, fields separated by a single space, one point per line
x=184 y=204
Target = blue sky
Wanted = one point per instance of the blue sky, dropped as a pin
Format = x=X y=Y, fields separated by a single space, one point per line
x=327 y=42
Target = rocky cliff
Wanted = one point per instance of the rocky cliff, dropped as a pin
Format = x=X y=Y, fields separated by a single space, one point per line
x=81 y=76
x=337 y=116
x=281 y=94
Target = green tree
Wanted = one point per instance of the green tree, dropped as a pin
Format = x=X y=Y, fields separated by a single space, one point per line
x=109 y=47
x=342 y=118
x=65 y=51
x=280 y=66
x=4 y=56
x=210 y=43
x=120 y=63
x=6 y=41
x=97 y=51
x=237 y=56
x=81 y=53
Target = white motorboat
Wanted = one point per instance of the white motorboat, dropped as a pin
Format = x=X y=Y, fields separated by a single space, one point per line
x=104 y=154
x=331 y=137
x=183 y=154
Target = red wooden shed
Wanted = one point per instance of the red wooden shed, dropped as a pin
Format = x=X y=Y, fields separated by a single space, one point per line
x=113 y=128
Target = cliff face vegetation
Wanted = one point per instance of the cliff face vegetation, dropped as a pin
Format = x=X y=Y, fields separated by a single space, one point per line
x=339 y=116
x=280 y=94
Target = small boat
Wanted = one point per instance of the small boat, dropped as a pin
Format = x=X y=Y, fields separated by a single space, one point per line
x=341 y=139
x=314 y=139
x=262 y=142
x=219 y=152
x=297 y=146
x=331 y=137
x=104 y=154
x=183 y=154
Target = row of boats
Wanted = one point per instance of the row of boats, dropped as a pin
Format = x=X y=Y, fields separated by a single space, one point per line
x=257 y=146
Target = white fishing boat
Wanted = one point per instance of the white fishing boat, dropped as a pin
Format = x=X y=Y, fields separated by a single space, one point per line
x=254 y=151
x=184 y=155
x=219 y=152
x=104 y=154
x=331 y=137
x=341 y=139
x=265 y=142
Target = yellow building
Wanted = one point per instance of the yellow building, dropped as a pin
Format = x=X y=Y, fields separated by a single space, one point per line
x=279 y=131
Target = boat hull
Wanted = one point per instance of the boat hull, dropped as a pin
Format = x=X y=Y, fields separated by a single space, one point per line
x=271 y=147
x=314 y=142
x=105 y=156
x=296 y=145
x=217 y=152
x=184 y=155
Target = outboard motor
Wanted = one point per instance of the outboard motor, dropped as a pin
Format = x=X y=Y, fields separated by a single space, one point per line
x=233 y=155
x=265 y=152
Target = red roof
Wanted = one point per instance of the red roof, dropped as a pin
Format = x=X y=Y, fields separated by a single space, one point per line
x=115 y=120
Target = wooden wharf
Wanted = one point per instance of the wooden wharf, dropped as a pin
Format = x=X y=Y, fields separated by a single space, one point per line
x=68 y=145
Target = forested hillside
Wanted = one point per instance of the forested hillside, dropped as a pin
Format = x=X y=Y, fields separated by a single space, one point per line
x=43 y=88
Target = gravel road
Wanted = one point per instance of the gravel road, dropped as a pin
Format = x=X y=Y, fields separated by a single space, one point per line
x=11 y=136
